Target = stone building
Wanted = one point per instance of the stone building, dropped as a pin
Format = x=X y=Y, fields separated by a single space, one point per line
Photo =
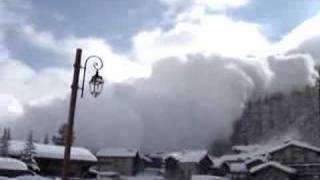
x=122 y=160
x=292 y=160
x=184 y=164
x=302 y=157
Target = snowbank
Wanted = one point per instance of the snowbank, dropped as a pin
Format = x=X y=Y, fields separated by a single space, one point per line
x=207 y=177
x=144 y=177
x=25 y=178
x=12 y=164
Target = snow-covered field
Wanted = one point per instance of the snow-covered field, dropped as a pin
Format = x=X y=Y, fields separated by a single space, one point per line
x=142 y=177
x=145 y=177
x=26 y=178
x=139 y=177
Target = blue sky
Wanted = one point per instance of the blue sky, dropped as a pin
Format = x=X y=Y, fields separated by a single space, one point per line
x=133 y=34
x=118 y=21
x=115 y=21
x=278 y=17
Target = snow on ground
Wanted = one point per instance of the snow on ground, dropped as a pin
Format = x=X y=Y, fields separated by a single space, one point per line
x=25 y=178
x=207 y=177
x=139 y=177
x=144 y=177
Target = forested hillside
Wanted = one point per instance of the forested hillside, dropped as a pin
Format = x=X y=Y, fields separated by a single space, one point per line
x=280 y=116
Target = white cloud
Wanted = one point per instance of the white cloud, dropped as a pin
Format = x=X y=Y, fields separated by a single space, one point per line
x=307 y=30
x=216 y=5
x=26 y=85
x=305 y=38
x=35 y=87
x=205 y=34
x=291 y=72
x=10 y=107
x=221 y=4
x=117 y=67
x=181 y=105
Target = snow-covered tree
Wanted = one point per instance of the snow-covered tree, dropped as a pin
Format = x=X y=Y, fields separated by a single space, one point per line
x=61 y=136
x=29 y=148
x=46 y=139
x=8 y=134
x=4 y=142
x=281 y=115
x=29 y=152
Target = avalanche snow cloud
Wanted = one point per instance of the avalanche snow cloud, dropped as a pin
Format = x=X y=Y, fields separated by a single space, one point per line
x=183 y=104
x=202 y=76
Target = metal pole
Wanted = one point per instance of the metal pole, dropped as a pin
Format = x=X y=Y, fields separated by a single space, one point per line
x=72 y=108
x=318 y=81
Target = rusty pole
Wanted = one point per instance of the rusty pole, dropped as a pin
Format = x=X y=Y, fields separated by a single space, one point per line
x=72 y=108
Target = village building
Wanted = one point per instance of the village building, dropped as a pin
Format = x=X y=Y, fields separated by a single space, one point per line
x=300 y=156
x=255 y=162
x=184 y=164
x=272 y=171
x=157 y=160
x=49 y=158
x=292 y=160
x=232 y=165
x=121 y=160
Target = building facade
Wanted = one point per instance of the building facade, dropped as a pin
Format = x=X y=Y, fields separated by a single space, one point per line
x=121 y=160
x=182 y=165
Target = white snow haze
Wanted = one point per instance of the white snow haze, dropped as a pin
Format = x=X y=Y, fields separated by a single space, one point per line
x=182 y=86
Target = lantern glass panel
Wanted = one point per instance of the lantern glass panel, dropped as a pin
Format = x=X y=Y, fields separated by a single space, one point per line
x=96 y=85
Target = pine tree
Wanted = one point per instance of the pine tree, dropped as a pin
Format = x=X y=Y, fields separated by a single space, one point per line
x=29 y=148
x=29 y=152
x=8 y=134
x=4 y=142
x=46 y=139
x=61 y=137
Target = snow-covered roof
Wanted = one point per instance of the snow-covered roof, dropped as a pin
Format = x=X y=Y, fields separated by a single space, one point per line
x=247 y=148
x=144 y=157
x=117 y=152
x=52 y=151
x=188 y=155
x=217 y=162
x=12 y=164
x=160 y=155
x=294 y=143
x=273 y=164
x=238 y=167
x=272 y=147
x=208 y=177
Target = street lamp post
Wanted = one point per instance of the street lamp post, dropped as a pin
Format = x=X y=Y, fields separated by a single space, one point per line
x=96 y=85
